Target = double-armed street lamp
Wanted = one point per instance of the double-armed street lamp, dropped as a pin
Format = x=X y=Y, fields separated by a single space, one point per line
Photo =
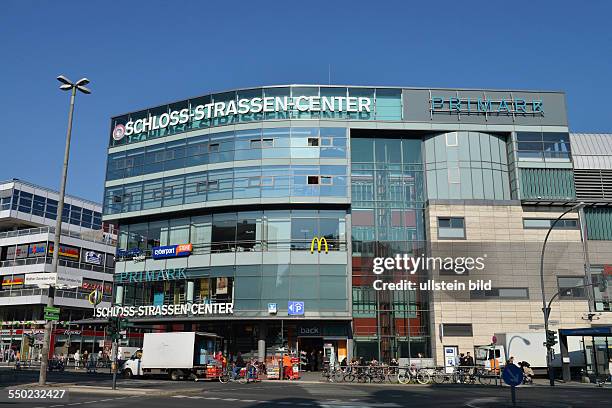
x=66 y=85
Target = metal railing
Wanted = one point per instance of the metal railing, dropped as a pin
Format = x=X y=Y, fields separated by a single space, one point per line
x=333 y=245
x=62 y=262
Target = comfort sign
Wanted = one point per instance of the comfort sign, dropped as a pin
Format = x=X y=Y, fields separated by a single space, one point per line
x=171 y=251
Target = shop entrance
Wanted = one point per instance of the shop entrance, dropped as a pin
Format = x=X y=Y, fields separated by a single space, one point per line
x=313 y=346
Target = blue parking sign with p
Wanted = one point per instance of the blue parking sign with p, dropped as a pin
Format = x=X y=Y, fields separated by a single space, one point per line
x=295 y=308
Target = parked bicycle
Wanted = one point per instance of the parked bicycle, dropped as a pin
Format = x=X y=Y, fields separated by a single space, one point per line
x=414 y=375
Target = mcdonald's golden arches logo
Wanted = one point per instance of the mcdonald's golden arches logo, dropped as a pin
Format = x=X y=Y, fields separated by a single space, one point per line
x=320 y=242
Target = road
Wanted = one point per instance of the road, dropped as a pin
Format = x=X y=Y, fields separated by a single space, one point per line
x=187 y=394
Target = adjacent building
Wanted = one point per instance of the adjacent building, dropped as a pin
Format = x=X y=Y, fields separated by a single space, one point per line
x=28 y=214
x=260 y=214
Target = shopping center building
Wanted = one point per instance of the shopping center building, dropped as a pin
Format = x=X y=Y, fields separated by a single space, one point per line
x=28 y=214
x=261 y=214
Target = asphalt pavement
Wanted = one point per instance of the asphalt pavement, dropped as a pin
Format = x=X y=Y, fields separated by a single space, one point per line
x=94 y=390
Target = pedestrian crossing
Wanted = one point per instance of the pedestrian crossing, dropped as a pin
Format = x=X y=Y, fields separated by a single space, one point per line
x=321 y=404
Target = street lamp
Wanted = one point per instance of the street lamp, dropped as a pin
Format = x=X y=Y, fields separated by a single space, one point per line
x=545 y=308
x=66 y=85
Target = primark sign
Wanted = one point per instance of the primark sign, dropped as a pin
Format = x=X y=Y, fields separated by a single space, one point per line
x=487 y=106
x=244 y=107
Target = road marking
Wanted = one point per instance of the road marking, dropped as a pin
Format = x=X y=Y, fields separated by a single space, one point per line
x=107 y=399
x=75 y=403
x=229 y=399
x=248 y=401
x=195 y=397
x=58 y=405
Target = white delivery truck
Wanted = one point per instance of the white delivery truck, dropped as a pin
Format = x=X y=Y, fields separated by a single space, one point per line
x=529 y=347
x=177 y=355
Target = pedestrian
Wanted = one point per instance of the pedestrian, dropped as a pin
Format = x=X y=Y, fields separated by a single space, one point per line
x=311 y=361
x=320 y=359
x=77 y=360
x=610 y=369
x=239 y=364
x=461 y=362
x=469 y=360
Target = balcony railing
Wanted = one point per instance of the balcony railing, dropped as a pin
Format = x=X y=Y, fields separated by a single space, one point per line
x=61 y=262
x=61 y=293
x=107 y=240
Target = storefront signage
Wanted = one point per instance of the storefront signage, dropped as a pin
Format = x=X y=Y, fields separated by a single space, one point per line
x=12 y=281
x=150 y=276
x=321 y=243
x=309 y=331
x=171 y=251
x=483 y=105
x=196 y=309
x=244 y=107
x=37 y=249
x=93 y=257
x=66 y=251
x=44 y=280
x=126 y=253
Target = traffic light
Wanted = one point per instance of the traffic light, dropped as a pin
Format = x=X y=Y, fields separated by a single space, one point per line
x=551 y=338
x=31 y=341
x=123 y=323
x=113 y=327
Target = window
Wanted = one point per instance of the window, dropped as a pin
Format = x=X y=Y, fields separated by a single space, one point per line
x=545 y=223
x=500 y=293
x=313 y=179
x=267 y=143
x=568 y=287
x=267 y=181
x=327 y=141
x=326 y=180
x=213 y=185
x=313 y=141
x=457 y=329
x=254 y=181
x=538 y=146
x=213 y=147
x=451 y=228
x=255 y=144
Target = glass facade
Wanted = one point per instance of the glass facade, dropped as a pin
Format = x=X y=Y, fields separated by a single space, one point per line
x=254 y=144
x=322 y=288
x=228 y=184
x=248 y=231
x=467 y=165
x=29 y=203
x=388 y=195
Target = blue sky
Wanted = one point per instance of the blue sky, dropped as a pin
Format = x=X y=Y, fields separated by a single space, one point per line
x=143 y=53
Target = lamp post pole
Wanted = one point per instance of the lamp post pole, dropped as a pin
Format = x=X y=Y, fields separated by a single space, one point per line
x=545 y=308
x=67 y=85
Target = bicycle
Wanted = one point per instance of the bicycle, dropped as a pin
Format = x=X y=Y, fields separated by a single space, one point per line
x=228 y=376
x=412 y=374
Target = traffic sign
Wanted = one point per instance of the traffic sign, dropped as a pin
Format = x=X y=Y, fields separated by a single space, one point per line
x=51 y=317
x=512 y=375
x=52 y=310
x=295 y=308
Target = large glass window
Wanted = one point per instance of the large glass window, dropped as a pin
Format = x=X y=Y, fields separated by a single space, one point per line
x=571 y=287
x=224 y=232
x=543 y=146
